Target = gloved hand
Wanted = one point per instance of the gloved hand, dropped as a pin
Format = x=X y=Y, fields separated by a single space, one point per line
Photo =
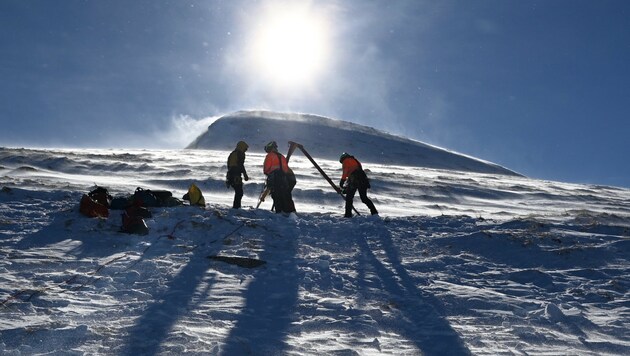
x=245 y=177
x=341 y=189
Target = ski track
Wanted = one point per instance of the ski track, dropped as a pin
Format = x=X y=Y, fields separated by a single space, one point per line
x=457 y=263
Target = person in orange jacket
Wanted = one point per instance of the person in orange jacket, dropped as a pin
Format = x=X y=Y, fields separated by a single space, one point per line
x=279 y=179
x=356 y=179
x=236 y=167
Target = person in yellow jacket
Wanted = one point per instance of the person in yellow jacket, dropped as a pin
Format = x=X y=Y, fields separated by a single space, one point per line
x=356 y=179
x=236 y=167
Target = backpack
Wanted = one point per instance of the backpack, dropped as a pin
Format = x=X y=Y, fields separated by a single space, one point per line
x=195 y=196
x=291 y=181
x=91 y=208
x=359 y=179
x=154 y=198
x=162 y=195
x=133 y=220
x=277 y=180
x=145 y=197
x=133 y=224
x=101 y=195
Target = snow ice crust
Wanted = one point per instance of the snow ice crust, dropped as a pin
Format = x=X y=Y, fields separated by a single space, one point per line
x=457 y=263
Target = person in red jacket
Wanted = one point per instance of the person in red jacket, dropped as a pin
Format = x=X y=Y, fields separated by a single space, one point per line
x=236 y=167
x=279 y=179
x=356 y=179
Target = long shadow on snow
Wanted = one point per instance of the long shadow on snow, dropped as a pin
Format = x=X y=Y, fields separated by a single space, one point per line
x=426 y=328
x=154 y=326
x=262 y=327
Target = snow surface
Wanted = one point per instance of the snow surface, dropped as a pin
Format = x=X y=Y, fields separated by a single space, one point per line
x=457 y=263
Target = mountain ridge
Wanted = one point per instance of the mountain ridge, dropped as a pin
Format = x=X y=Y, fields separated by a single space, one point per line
x=317 y=132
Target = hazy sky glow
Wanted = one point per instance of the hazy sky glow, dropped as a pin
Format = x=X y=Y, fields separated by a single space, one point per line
x=539 y=87
x=288 y=46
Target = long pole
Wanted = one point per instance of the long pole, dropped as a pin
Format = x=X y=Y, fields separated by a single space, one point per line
x=321 y=171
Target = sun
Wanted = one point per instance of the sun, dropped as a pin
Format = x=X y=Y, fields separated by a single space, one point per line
x=290 y=45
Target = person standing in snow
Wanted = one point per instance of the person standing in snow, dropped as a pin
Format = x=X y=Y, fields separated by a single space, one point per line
x=236 y=167
x=356 y=179
x=278 y=179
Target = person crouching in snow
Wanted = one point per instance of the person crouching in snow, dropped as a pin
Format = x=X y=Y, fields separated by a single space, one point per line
x=276 y=168
x=236 y=167
x=356 y=178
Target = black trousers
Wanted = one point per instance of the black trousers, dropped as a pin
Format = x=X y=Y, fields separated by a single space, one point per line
x=279 y=197
x=238 y=195
x=350 y=192
x=281 y=192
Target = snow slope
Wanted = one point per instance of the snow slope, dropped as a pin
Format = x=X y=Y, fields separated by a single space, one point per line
x=328 y=138
x=458 y=262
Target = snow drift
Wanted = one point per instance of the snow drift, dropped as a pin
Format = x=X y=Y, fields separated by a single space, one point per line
x=328 y=138
x=458 y=262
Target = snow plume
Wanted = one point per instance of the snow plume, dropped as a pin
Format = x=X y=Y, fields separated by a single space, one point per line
x=185 y=128
x=180 y=131
x=327 y=138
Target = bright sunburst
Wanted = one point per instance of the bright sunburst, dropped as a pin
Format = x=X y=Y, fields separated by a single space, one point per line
x=290 y=45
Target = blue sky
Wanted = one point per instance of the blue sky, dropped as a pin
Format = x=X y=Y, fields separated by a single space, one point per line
x=540 y=87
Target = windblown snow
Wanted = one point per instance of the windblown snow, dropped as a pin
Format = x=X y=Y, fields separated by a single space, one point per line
x=459 y=261
x=328 y=138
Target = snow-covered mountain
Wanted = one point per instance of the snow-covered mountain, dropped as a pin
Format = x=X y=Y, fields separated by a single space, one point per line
x=328 y=138
x=459 y=262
